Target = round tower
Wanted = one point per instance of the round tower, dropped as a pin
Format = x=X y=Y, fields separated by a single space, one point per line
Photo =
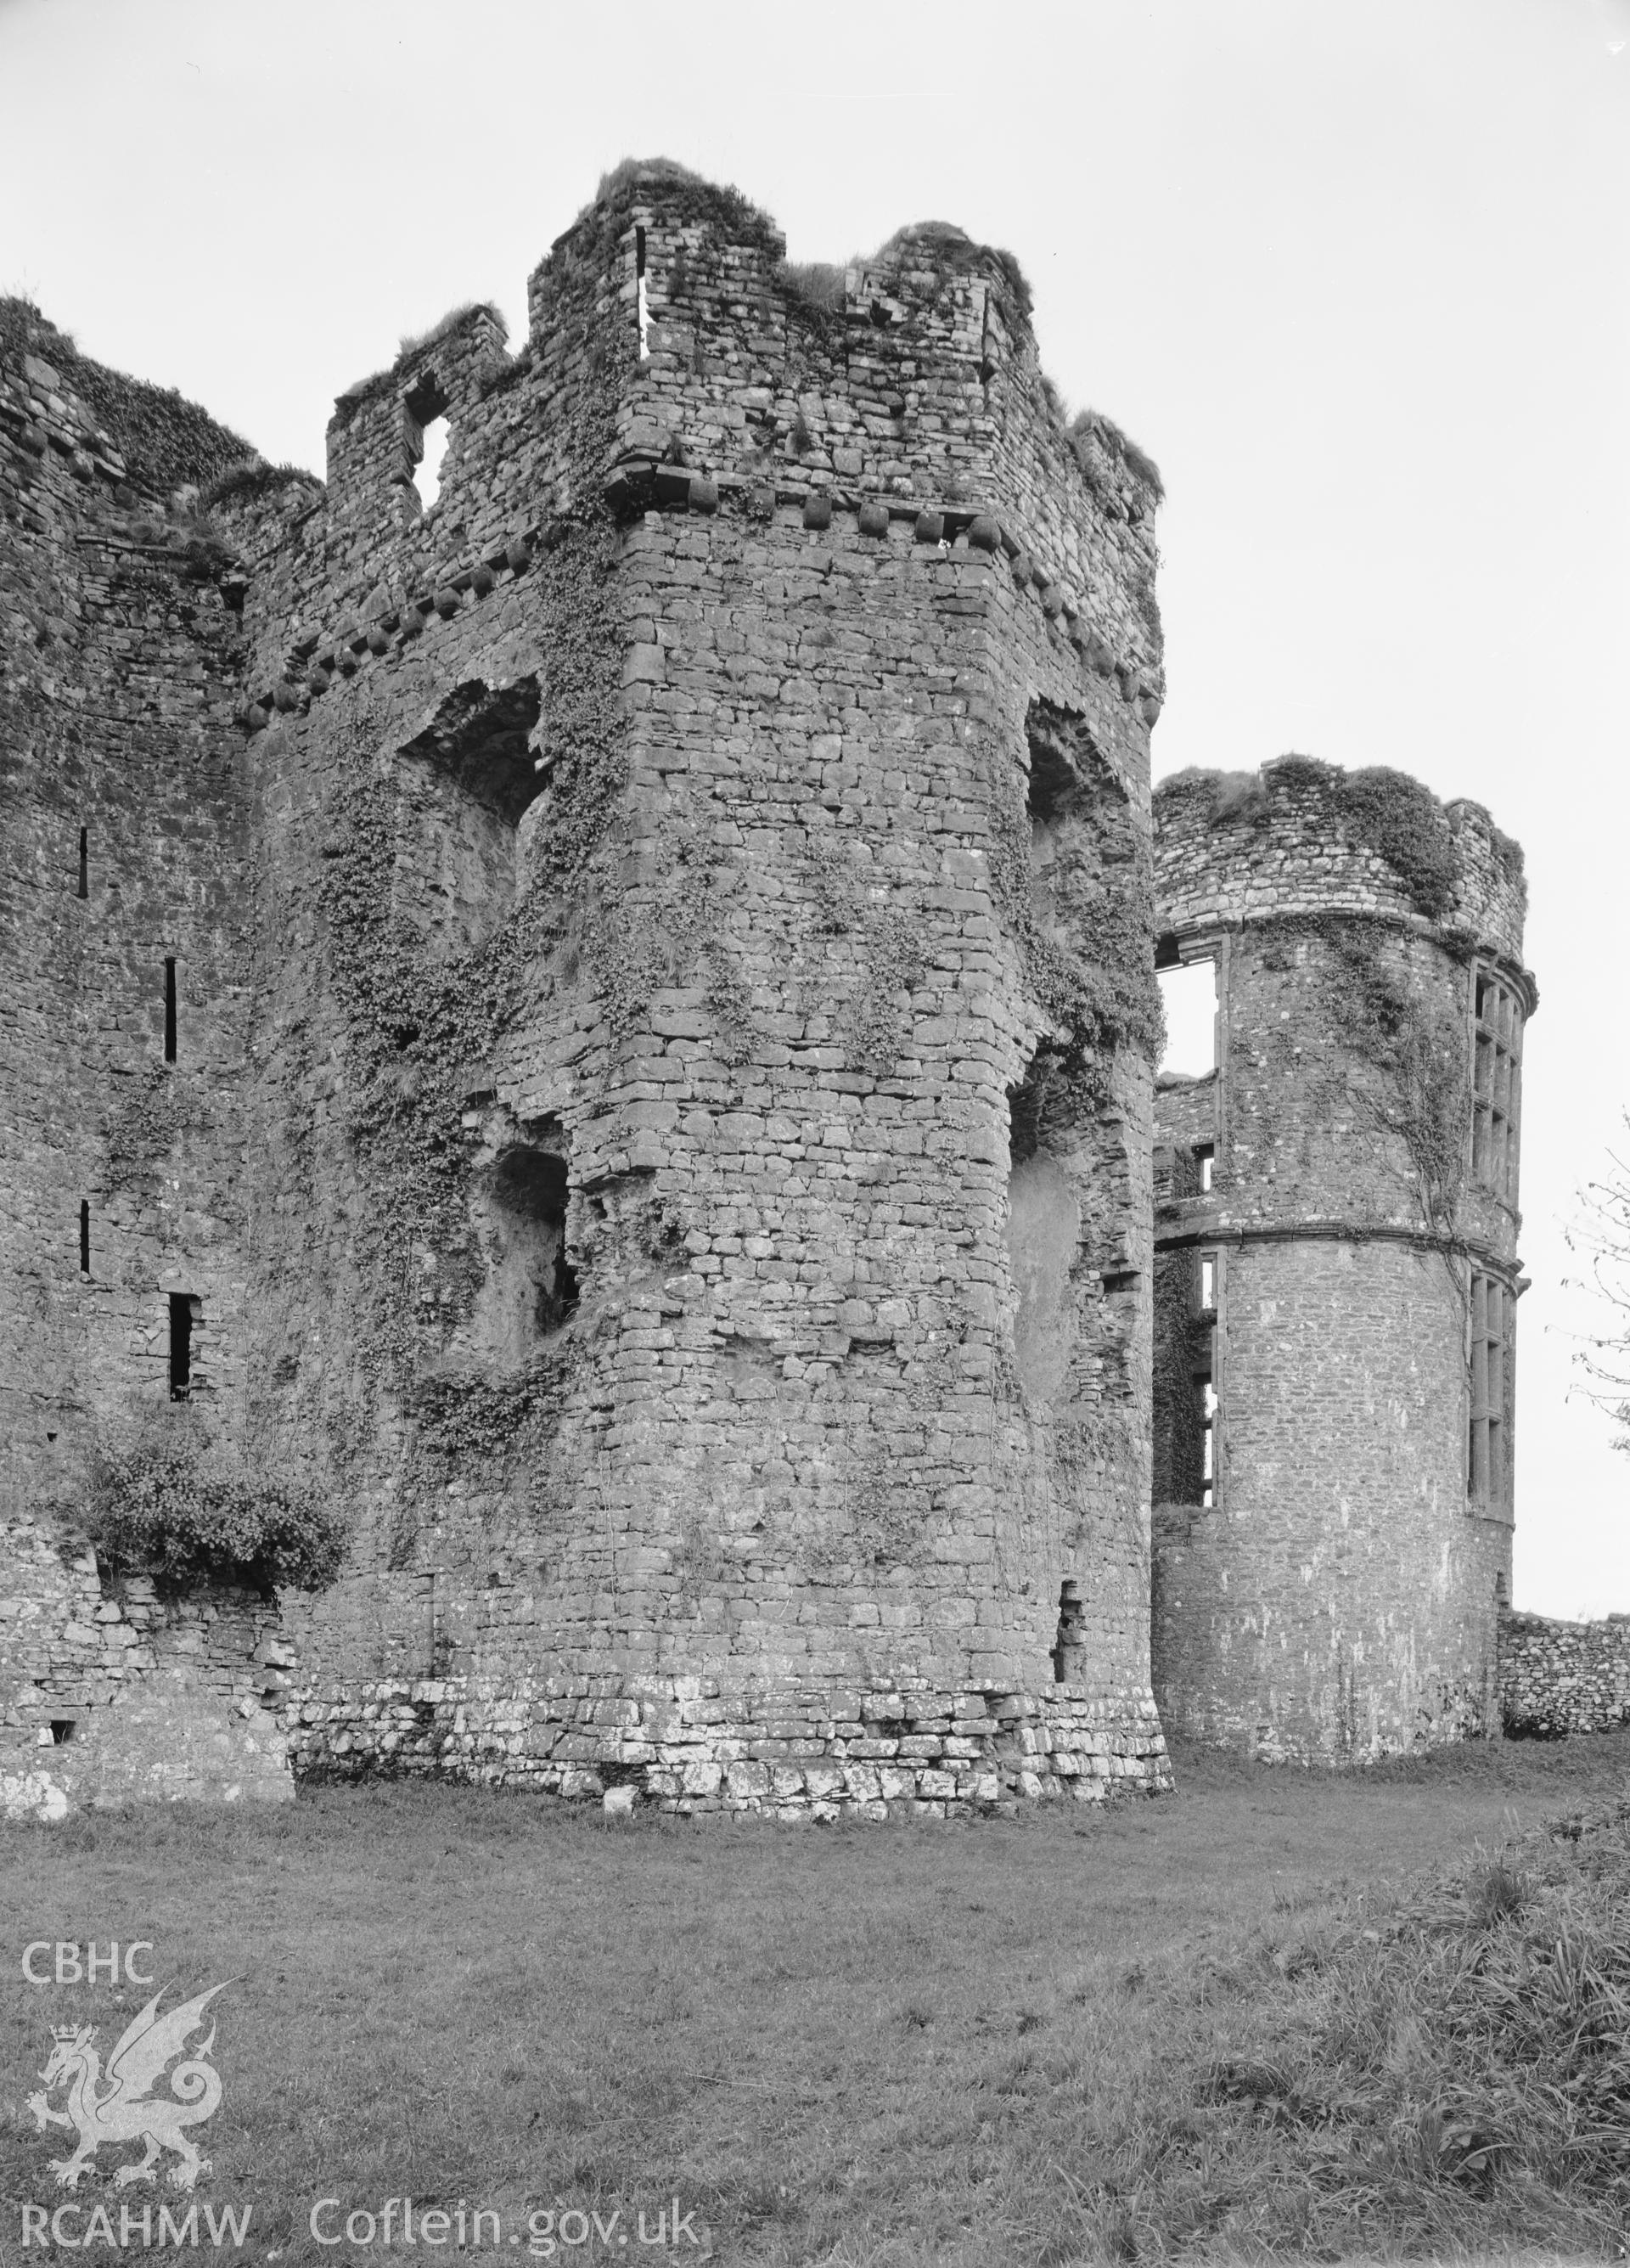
x=1336 y=1269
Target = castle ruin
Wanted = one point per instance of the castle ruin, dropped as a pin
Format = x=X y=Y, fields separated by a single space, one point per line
x=1336 y=1276
x=609 y=1023
x=607 y=1026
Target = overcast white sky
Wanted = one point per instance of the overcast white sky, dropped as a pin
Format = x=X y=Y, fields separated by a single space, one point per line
x=1355 y=274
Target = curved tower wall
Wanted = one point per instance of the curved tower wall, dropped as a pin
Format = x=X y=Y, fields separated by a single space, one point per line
x=1336 y=1259
x=695 y=1081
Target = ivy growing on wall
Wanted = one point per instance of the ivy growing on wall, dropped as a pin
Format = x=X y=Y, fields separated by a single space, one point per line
x=1098 y=988
x=419 y=1034
x=1374 y=808
x=159 y=1104
x=164 y=1501
x=1422 y=1095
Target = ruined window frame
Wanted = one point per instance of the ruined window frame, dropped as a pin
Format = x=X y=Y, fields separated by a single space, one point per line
x=1497 y=1022
x=1491 y=1368
x=1190 y=952
x=426 y=400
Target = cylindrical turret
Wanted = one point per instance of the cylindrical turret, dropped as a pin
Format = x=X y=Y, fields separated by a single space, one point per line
x=1336 y=1270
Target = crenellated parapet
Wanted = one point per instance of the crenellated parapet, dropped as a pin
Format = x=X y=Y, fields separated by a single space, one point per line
x=1302 y=837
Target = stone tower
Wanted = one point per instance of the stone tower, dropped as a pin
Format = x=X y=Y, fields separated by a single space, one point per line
x=610 y=1031
x=1336 y=1271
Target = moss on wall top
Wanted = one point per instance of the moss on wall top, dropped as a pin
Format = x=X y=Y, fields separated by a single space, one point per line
x=946 y=247
x=467 y=316
x=1375 y=809
x=255 y=478
x=687 y=198
x=166 y=441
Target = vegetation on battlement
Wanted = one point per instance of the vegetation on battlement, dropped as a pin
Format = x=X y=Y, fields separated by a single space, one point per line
x=252 y=480
x=166 y=441
x=1089 y=426
x=688 y=198
x=1375 y=809
x=412 y=344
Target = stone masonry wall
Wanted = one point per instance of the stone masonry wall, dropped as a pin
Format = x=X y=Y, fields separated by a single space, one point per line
x=682 y=977
x=776 y=1041
x=1559 y=1677
x=1338 y=1601
x=1338 y=1596
x=111 y=1689
x=123 y=846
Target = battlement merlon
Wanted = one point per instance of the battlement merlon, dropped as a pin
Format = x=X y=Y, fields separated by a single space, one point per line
x=911 y=376
x=670 y=343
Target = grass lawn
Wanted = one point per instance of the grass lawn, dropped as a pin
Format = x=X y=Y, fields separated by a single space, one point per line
x=968 y=2043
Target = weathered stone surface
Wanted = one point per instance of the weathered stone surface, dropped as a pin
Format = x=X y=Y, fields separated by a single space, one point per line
x=1559 y=1677
x=1338 y=1596
x=589 y=1145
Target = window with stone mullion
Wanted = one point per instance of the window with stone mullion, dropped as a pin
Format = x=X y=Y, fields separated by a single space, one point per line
x=1489 y=1442
x=1497 y=1074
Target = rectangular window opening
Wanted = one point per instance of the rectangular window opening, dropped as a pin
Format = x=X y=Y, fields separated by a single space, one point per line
x=63 y=1730
x=182 y=1315
x=1188 y=994
x=1206 y=1159
x=169 y=1011
x=84 y=1236
x=85 y=861
x=1208 y=1443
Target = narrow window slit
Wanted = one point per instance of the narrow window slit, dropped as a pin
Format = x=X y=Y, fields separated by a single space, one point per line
x=644 y=307
x=1070 y=1637
x=84 y=1236
x=169 y=1009
x=181 y=1320
x=85 y=861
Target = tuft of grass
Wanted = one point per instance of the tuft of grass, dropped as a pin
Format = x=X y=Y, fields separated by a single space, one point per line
x=1450 y=2065
x=380 y=381
x=413 y=342
x=688 y=197
x=814 y=284
x=1089 y=425
x=254 y=478
x=627 y=172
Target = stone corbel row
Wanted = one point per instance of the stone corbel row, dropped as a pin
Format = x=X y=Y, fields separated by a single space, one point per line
x=315 y=663
x=639 y=485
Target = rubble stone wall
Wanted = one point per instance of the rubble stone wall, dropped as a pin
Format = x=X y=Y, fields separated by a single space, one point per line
x=111 y=1689
x=1560 y=1677
x=681 y=934
x=1338 y=1597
